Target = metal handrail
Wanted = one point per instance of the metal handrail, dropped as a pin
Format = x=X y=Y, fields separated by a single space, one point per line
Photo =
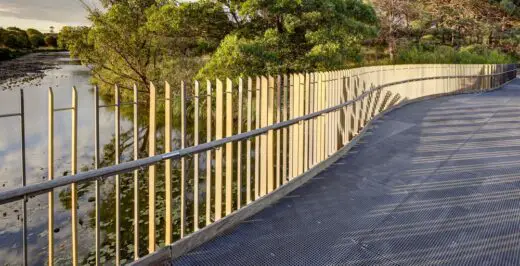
x=36 y=189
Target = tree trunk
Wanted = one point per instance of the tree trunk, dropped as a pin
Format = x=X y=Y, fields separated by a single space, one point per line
x=391 y=48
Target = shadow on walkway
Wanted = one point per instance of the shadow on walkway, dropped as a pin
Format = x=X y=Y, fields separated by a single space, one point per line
x=435 y=182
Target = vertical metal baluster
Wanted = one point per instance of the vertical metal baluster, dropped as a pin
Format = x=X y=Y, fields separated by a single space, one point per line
x=263 y=139
x=168 y=239
x=301 y=102
x=294 y=113
x=136 y=175
x=50 y=170
x=96 y=166
x=270 y=134
x=258 y=108
x=117 y=133
x=298 y=126
x=218 y=153
x=344 y=110
x=290 y=114
x=284 y=130
x=196 y=159
x=183 y=159
x=248 y=144
x=74 y=186
x=229 y=147
x=311 y=131
x=151 y=171
x=339 y=128
x=278 y=132
x=325 y=123
x=24 y=180
x=306 y=142
x=239 y=144
x=208 y=153
x=321 y=119
x=357 y=106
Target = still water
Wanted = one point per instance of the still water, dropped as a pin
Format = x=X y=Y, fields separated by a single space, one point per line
x=69 y=73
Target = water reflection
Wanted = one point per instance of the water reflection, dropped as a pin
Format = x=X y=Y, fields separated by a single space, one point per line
x=61 y=80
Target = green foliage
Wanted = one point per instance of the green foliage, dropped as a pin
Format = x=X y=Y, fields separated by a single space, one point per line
x=138 y=42
x=35 y=37
x=51 y=41
x=71 y=37
x=286 y=36
x=16 y=38
x=474 y=54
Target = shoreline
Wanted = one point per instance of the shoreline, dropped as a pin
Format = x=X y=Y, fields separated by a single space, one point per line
x=27 y=67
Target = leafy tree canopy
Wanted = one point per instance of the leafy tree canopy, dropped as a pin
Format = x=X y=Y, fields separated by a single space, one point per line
x=138 y=41
x=272 y=36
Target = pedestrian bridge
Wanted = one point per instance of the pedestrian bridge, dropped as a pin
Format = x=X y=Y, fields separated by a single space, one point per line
x=433 y=182
x=408 y=164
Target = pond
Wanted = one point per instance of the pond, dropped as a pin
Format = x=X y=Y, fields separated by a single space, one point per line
x=68 y=73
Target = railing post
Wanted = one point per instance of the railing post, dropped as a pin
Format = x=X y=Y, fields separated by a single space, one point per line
x=209 y=134
x=24 y=180
x=117 y=143
x=320 y=120
x=301 y=101
x=74 y=186
x=271 y=105
x=239 y=143
x=50 y=176
x=196 y=158
x=258 y=109
x=248 y=142
x=218 y=153
x=96 y=166
x=290 y=111
x=279 y=132
x=264 y=137
x=151 y=171
x=229 y=147
x=284 y=130
x=306 y=140
x=136 y=175
x=168 y=232
x=183 y=159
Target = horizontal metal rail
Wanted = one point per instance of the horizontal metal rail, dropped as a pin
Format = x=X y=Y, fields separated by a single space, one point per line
x=10 y=115
x=36 y=189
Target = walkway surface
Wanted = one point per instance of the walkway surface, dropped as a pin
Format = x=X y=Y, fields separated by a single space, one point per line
x=435 y=182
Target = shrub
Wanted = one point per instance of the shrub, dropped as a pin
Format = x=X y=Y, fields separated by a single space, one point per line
x=474 y=54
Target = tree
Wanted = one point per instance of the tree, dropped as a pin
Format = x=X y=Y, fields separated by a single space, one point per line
x=3 y=36
x=16 y=39
x=138 y=41
x=70 y=37
x=147 y=40
x=274 y=36
x=395 y=20
x=51 y=41
x=36 y=38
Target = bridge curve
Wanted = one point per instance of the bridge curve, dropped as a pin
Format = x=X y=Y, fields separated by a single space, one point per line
x=435 y=181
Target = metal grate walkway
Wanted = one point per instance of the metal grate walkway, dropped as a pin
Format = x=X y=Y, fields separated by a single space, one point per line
x=435 y=182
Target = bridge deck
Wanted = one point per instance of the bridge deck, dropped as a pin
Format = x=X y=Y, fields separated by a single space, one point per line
x=433 y=182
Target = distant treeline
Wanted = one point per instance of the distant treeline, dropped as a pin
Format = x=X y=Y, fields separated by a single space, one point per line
x=15 y=41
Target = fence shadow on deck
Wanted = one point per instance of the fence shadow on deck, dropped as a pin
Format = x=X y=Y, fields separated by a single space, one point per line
x=435 y=181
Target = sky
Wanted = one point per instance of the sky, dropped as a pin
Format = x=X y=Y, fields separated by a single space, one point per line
x=41 y=14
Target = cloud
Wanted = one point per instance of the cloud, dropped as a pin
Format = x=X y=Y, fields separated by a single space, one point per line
x=61 y=12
